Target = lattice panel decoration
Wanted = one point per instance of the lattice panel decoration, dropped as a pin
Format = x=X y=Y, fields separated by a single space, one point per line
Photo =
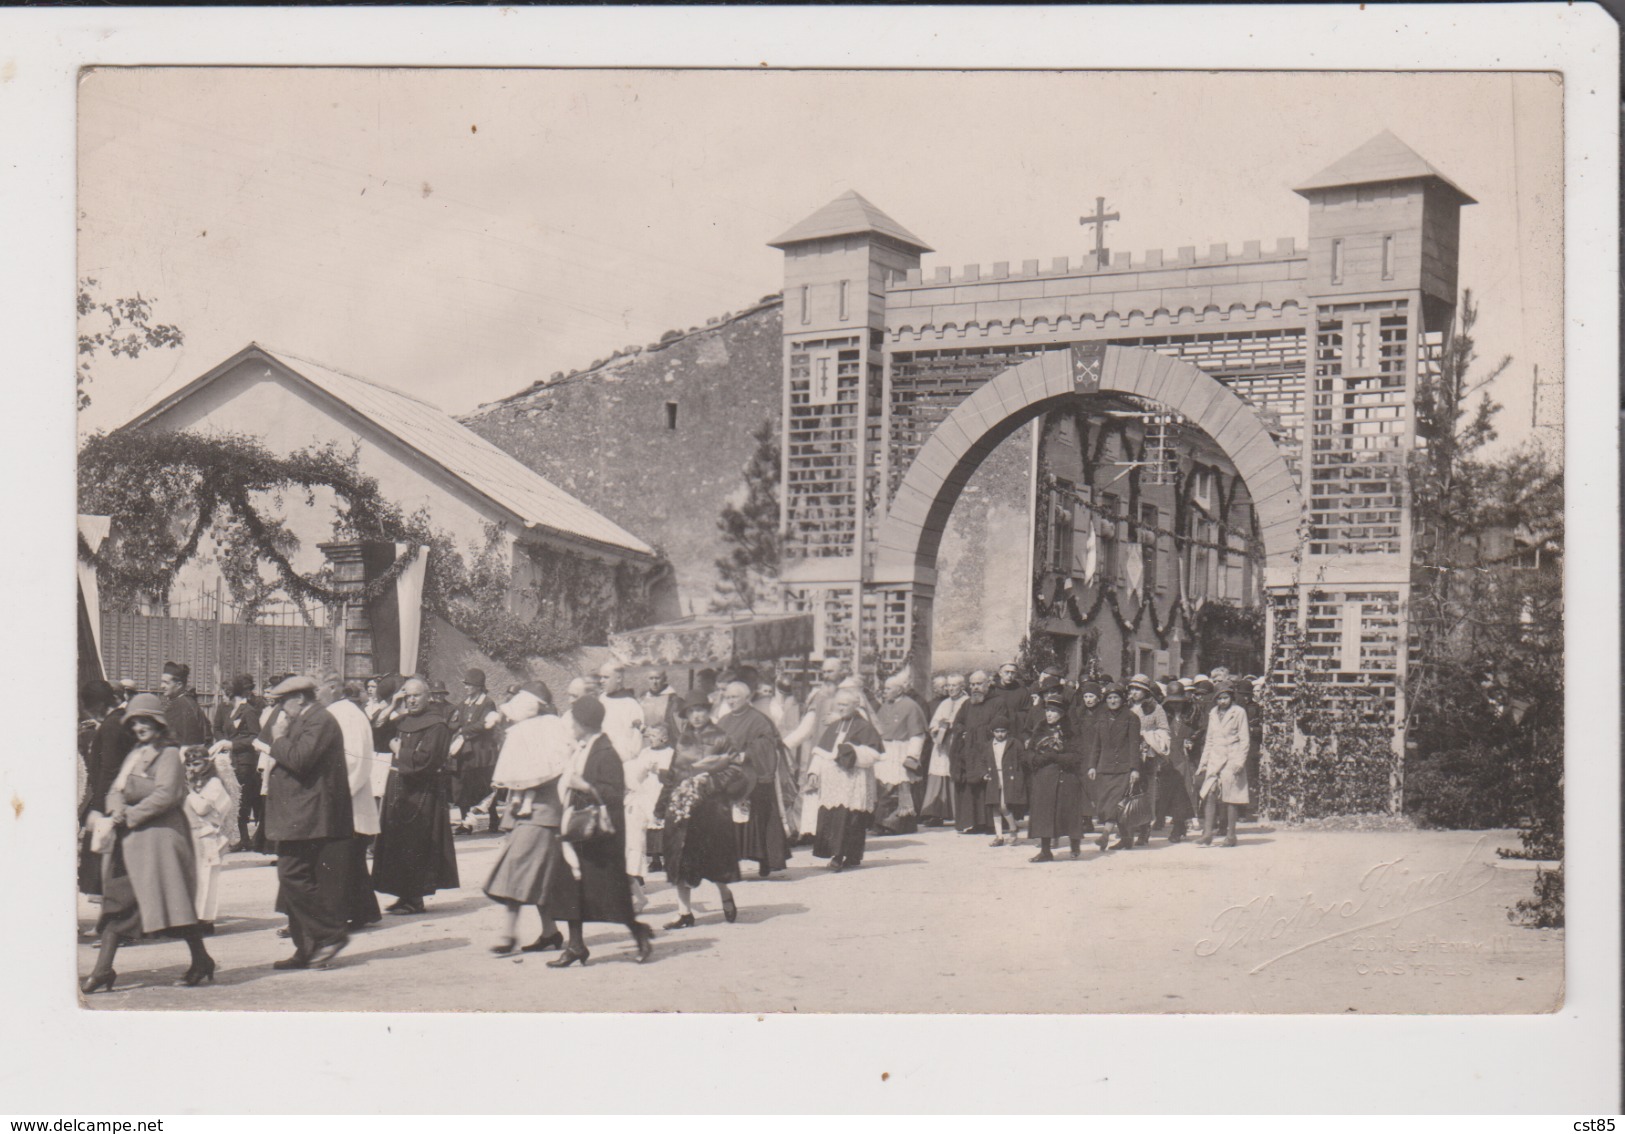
x=833 y=624
x=925 y=388
x=1358 y=429
x=1264 y=368
x=1332 y=716
x=874 y=451
x=887 y=631
x=821 y=476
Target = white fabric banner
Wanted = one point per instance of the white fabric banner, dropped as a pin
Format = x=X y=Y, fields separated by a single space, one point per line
x=1135 y=569
x=409 y=596
x=94 y=529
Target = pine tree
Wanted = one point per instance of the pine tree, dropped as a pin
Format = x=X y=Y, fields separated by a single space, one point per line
x=747 y=574
x=1484 y=689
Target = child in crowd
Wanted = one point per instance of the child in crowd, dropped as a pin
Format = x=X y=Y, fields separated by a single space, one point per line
x=211 y=811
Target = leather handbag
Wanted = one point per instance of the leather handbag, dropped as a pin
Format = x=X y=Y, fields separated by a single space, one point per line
x=1134 y=811
x=738 y=779
x=584 y=823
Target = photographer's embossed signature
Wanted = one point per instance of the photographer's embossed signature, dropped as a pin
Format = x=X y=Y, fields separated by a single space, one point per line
x=1386 y=893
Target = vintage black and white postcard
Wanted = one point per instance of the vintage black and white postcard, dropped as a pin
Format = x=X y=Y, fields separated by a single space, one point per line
x=988 y=541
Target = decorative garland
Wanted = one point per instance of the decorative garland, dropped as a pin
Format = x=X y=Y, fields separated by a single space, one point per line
x=206 y=457
x=141 y=479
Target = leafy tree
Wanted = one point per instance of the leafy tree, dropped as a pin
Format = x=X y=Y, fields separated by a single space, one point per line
x=1484 y=691
x=121 y=327
x=747 y=574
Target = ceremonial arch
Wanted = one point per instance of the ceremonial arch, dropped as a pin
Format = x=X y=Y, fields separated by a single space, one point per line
x=1256 y=405
x=912 y=530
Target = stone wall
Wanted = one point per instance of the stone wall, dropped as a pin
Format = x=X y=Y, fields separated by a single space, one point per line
x=607 y=435
x=603 y=435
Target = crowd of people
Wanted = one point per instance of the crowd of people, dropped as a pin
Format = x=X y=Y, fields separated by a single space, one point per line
x=359 y=789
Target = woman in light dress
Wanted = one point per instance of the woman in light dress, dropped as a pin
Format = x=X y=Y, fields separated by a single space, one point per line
x=536 y=751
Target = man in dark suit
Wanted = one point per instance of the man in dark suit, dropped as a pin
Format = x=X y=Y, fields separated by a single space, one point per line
x=308 y=817
x=475 y=745
x=188 y=724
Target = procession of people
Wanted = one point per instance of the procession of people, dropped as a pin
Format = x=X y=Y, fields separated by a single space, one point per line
x=360 y=788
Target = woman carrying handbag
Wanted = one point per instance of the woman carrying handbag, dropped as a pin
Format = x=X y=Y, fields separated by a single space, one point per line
x=149 y=884
x=1115 y=769
x=586 y=877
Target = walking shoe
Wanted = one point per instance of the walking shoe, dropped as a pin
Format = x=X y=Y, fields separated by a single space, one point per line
x=1042 y=856
x=323 y=955
x=297 y=961
x=998 y=842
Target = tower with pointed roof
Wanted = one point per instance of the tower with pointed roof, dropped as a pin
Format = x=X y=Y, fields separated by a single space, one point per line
x=838 y=266
x=1290 y=373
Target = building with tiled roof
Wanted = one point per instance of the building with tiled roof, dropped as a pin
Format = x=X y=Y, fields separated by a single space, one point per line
x=425 y=462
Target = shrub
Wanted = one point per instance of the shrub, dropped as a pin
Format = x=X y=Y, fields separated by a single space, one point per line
x=1545 y=909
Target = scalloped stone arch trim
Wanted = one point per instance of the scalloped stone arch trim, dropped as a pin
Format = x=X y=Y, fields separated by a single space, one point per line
x=911 y=534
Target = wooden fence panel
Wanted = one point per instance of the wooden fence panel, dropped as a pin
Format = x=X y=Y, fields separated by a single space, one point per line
x=137 y=646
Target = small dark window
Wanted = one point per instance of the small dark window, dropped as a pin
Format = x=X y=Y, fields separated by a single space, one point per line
x=1337 y=261
x=671 y=415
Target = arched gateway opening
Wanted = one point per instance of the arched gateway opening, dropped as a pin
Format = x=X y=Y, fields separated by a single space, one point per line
x=910 y=536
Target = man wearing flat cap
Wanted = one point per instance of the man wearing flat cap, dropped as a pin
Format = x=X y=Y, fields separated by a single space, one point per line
x=188 y=724
x=308 y=817
x=476 y=741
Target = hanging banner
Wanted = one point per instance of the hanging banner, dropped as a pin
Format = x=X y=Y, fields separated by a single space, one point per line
x=1135 y=570
x=1091 y=556
x=93 y=530
x=409 y=597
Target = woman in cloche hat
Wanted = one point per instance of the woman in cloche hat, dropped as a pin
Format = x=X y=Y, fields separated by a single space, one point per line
x=149 y=884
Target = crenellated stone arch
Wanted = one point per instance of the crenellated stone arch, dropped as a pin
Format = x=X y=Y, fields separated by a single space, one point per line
x=910 y=535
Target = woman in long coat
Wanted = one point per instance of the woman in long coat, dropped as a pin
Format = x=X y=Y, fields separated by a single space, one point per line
x=1183 y=752
x=149 y=885
x=700 y=844
x=1223 y=771
x=1085 y=721
x=1168 y=795
x=104 y=756
x=535 y=753
x=414 y=854
x=1054 y=792
x=1115 y=766
x=587 y=881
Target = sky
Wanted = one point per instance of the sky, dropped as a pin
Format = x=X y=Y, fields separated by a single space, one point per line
x=462 y=234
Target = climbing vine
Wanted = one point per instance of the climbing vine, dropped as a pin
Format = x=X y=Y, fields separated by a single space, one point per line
x=166 y=492
x=1328 y=745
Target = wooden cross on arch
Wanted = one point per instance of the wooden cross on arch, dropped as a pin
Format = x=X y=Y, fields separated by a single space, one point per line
x=1098 y=220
